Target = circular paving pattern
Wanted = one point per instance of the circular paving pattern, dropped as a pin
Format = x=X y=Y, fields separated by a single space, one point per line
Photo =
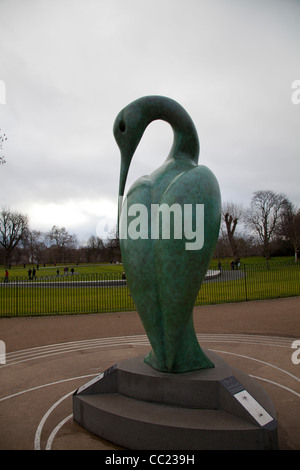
x=37 y=385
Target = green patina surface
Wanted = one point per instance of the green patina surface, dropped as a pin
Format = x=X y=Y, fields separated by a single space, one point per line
x=164 y=276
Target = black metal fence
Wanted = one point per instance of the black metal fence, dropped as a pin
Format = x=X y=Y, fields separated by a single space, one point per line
x=109 y=292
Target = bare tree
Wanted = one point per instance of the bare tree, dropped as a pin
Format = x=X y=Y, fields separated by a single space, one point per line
x=61 y=237
x=263 y=216
x=112 y=245
x=289 y=226
x=62 y=241
x=95 y=248
x=13 y=227
x=232 y=213
x=33 y=245
x=3 y=138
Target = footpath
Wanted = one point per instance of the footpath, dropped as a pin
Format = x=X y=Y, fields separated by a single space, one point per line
x=49 y=357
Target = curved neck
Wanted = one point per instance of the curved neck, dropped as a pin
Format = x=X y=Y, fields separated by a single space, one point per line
x=186 y=142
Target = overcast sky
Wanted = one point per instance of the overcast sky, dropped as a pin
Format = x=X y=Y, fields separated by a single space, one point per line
x=69 y=67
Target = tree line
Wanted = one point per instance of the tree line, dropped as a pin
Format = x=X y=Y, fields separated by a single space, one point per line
x=20 y=245
x=270 y=226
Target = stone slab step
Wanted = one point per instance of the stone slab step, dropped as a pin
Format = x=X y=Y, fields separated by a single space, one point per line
x=140 y=425
x=139 y=408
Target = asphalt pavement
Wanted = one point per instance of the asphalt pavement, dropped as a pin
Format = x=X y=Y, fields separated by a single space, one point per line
x=49 y=357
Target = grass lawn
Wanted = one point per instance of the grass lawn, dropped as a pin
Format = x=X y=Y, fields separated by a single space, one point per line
x=252 y=282
x=253 y=260
x=64 y=300
x=51 y=271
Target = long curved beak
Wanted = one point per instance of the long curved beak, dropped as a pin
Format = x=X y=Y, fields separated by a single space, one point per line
x=125 y=162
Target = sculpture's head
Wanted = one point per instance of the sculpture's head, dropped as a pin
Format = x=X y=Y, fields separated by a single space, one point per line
x=128 y=129
x=132 y=121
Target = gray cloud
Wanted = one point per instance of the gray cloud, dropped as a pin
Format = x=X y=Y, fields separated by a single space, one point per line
x=70 y=65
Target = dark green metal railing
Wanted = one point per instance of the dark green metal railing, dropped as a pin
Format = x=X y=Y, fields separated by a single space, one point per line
x=252 y=282
x=75 y=294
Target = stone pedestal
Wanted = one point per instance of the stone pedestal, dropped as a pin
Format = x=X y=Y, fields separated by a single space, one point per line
x=137 y=407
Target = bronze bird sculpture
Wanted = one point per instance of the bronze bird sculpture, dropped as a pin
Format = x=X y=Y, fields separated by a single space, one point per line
x=164 y=268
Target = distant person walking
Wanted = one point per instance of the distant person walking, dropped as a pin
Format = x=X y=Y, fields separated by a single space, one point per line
x=6 y=276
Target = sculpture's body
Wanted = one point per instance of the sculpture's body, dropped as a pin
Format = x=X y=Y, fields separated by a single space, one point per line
x=163 y=276
x=201 y=409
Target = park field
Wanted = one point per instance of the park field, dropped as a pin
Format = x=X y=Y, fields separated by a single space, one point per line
x=51 y=270
x=86 y=291
x=113 y=268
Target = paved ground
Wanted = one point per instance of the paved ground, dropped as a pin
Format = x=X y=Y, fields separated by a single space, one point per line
x=50 y=357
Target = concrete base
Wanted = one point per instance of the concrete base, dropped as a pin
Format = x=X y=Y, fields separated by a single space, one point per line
x=139 y=408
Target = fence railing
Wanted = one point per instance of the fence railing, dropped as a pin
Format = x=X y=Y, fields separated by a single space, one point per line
x=109 y=292
x=252 y=282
